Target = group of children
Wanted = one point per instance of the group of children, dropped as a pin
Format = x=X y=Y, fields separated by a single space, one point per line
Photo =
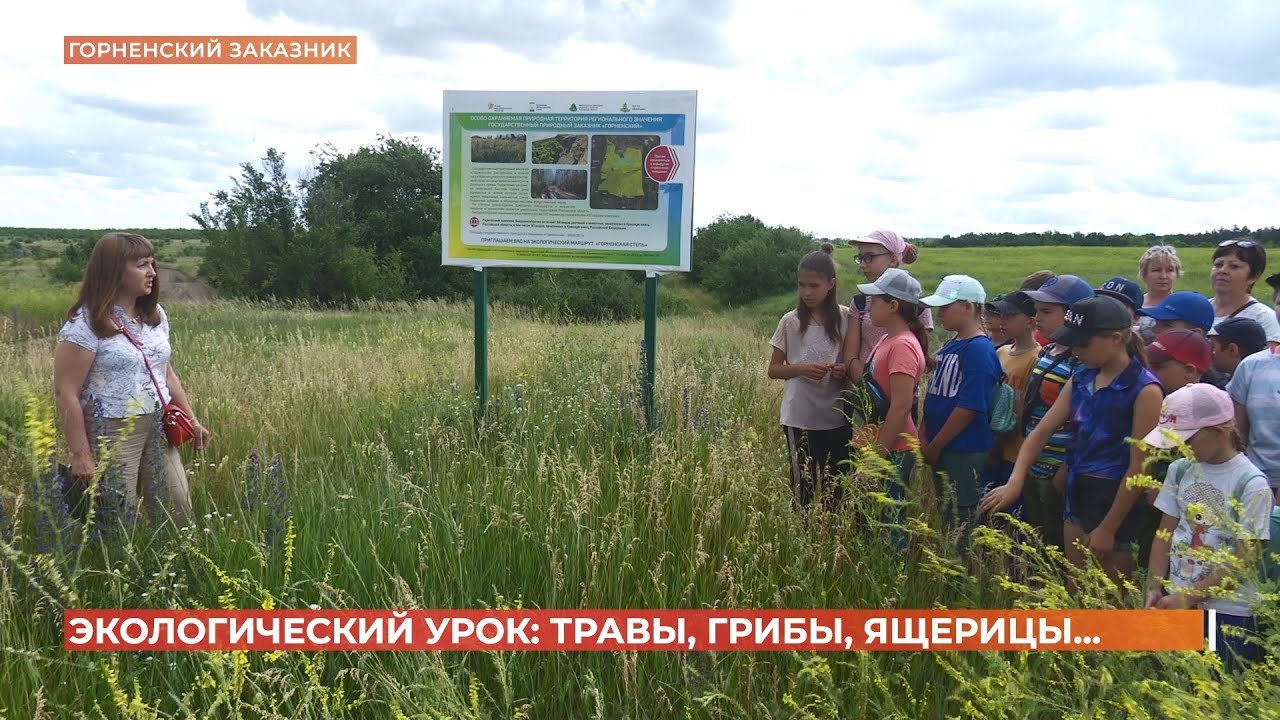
x=1047 y=400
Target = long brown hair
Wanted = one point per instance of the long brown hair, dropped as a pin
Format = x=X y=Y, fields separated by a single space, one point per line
x=910 y=312
x=101 y=285
x=1134 y=345
x=821 y=262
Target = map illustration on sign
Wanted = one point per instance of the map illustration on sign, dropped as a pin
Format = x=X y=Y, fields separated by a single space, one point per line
x=618 y=178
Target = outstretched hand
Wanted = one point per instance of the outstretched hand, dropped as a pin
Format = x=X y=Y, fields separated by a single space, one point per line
x=998 y=499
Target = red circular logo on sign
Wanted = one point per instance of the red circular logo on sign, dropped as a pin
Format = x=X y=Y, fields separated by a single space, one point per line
x=661 y=163
x=475 y=221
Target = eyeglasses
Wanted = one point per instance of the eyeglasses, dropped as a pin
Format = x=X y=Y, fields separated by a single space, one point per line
x=1238 y=243
x=865 y=258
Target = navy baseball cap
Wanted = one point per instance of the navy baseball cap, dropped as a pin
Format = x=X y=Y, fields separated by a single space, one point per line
x=1123 y=289
x=1274 y=281
x=1060 y=289
x=1089 y=317
x=1246 y=333
x=1187 y=305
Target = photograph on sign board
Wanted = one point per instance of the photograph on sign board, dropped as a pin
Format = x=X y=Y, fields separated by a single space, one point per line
x=558 y=184
x=560 y=150
x=618 y=180
x=498 y=148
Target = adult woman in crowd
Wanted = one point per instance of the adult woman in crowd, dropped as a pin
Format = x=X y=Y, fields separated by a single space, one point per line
x=1238 y=264
x=112 y=377
x=1160 y=268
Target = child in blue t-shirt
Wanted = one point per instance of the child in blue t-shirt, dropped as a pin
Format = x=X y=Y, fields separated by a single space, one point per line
x=956 y=437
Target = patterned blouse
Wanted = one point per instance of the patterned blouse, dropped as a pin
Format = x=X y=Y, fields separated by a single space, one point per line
x=118 y=384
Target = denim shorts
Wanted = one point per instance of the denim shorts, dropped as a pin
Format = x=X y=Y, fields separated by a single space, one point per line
x=1089 y=499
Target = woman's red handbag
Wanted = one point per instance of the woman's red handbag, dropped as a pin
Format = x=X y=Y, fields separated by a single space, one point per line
x=178 y=428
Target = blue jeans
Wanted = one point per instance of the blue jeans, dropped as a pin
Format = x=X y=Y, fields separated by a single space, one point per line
x=905 y=461
x=1236 y=652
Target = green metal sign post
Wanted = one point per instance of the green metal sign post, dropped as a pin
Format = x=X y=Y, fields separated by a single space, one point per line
x=482 y=343
x=650 y=347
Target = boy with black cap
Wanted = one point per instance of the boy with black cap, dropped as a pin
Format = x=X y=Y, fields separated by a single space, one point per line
x=1017 y=359
x=1233 y=340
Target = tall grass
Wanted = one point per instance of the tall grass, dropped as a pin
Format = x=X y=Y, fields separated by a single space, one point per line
x=386 y=495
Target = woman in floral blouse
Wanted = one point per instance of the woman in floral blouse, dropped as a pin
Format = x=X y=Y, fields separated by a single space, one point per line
x=111 y=408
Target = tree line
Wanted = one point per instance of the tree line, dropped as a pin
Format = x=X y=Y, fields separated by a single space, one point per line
x=1266 y=235
x=365 y=225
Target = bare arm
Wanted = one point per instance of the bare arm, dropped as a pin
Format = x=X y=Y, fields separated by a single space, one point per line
x=176 y=393
x=957 y=421
x=1158 y=566
x=901 y=394
x=179 y=397
x=780 y=369
x=853 y=346
x=71 y=365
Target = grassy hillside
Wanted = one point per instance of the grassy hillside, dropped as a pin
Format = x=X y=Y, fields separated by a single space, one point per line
x=386 y=496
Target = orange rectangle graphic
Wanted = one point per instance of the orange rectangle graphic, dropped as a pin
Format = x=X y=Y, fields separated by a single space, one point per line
x=205 y=50
x=637 y=630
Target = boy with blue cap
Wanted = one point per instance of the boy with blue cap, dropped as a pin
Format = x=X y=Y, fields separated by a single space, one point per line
x=1183 y=309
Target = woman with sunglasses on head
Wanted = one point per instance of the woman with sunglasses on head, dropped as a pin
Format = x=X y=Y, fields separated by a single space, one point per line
x=1238 y=264
x=112 y=377
x=877 y=252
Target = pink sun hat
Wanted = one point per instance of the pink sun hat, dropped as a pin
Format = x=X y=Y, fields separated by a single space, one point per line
x=1188 y=410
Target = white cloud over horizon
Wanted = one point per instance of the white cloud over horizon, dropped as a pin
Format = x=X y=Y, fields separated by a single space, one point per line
x=927 y=116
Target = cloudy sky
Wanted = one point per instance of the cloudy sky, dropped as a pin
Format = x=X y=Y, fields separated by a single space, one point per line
x=927 y=116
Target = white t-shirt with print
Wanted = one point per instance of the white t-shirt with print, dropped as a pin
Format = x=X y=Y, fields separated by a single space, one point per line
x=118 y=384
x=1261 y=313
x=810 y=404
x=1200 y=496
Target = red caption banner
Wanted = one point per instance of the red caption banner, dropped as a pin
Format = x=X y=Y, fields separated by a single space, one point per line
x=204 y=50
x=671 y=630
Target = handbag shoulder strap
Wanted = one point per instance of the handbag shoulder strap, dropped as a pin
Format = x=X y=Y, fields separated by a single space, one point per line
x=1238 y=493
x=138 y=344
x=1242 y=308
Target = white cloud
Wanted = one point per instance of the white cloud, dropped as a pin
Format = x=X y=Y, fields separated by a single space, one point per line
x=933 y=117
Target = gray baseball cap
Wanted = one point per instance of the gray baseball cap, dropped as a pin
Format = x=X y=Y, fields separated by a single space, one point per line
x=896 y=283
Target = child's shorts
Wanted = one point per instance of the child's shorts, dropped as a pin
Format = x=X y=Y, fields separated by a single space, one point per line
x=1088 y=500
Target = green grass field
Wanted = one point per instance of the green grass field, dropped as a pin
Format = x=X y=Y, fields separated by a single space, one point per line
x=388 y=496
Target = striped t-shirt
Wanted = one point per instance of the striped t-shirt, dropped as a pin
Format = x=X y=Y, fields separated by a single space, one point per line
x=1256 y=386
x=1051 y=378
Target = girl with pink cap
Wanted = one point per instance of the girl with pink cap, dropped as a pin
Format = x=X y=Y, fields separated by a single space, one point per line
x=1217 y=512
x=877 y=252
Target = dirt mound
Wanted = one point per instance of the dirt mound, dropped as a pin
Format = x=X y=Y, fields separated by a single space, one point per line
x=178 y=285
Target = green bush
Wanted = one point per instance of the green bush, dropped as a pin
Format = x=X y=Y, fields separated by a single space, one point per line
x=764 y=264
x=723 y=234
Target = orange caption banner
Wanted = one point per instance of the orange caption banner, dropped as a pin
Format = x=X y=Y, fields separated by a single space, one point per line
x=204 y=50
x=636 y=630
